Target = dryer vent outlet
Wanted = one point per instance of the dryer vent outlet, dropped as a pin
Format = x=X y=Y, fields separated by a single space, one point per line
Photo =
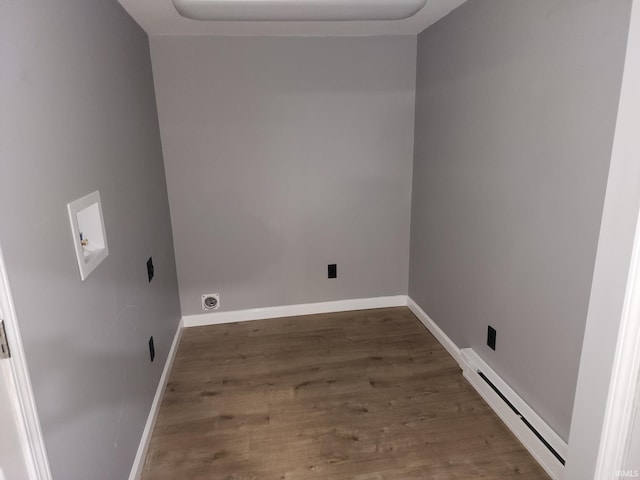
x=210 y=301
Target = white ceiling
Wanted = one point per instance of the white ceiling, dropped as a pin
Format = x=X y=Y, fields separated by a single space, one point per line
x=159 y=17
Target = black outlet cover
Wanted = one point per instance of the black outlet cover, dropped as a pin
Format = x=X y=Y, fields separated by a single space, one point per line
x=150 y=268
x=152 y=350
x=332 y=270
x=491 y=337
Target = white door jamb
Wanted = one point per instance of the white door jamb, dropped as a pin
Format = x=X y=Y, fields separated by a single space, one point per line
x=30 y=432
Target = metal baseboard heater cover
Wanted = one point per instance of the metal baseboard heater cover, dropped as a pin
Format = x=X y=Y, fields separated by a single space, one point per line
x=535 y=434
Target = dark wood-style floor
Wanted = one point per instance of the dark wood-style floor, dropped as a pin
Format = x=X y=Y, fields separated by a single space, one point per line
x=367 y=395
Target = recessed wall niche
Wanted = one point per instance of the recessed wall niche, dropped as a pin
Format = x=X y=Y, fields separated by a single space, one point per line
x=89 y=234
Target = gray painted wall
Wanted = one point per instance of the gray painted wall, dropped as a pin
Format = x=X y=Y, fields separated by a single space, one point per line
x=78 y=114
x=284 y=155
x=516 y=104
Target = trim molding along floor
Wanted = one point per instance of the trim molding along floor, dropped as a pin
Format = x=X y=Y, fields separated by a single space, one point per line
x=435 y=330
x=216 y=318
x=503 y=403
x=141 y=454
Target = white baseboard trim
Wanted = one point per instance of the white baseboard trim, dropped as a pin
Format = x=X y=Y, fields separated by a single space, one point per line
x=472 y=365
x=143 y=447
x=217 y=318
x=435 y=330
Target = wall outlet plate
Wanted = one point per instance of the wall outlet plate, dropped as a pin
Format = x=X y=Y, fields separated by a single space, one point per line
x=332 y=270
x=150 y=269
x=491 y=337
x=210 y=301
x=152 y=349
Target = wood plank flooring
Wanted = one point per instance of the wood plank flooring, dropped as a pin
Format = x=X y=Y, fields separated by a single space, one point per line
x=367 y=395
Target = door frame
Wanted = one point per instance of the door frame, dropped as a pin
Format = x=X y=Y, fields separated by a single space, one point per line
x=21 y=392
x=623 y=395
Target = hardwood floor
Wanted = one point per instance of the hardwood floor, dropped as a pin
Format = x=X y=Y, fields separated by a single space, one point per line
x=367 y=395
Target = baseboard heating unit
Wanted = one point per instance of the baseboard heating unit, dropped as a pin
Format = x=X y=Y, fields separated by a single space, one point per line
x=542 y=442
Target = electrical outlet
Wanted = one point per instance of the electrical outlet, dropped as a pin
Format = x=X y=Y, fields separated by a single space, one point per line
x=491 y=337
x=332 y=270
x=150 y=268
x=210 y=301
x=152 y=349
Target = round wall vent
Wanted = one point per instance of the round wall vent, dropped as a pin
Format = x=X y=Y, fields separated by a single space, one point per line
x=210 y=301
